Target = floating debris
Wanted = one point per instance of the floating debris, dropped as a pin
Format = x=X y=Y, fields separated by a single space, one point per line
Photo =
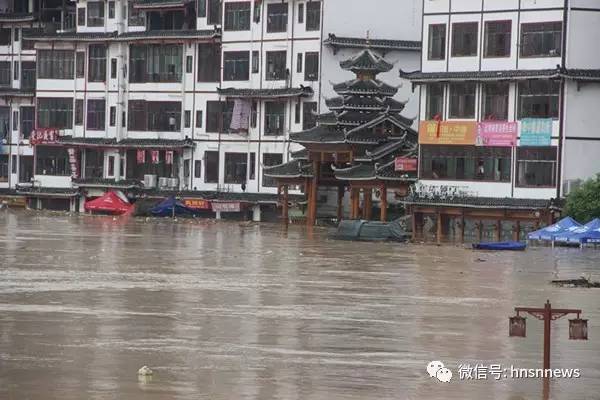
x=576 y=283
x=145 y=371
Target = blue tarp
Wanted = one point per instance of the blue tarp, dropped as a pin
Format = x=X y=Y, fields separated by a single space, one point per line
x=560 y=229
x=589 y=233
x=165 y=208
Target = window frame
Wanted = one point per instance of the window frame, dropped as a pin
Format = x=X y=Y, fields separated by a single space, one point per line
x=237 y=16
x=459 y=39
x=485 y=98
x=236 y=66
x=451 y=96
x=277 y=12
x=553 y=103
x=95 y=115
x=524 y=54
x=486 y=35
x=431 y=40
x=519 y=161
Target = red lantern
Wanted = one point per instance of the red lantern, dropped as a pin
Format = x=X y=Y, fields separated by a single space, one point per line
x=578 y=329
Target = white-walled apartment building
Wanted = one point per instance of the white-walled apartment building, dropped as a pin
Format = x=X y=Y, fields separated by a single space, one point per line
x=491 y=61
x=202 y=92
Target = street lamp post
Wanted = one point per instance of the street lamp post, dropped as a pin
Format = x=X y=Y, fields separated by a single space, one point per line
x=577 y=327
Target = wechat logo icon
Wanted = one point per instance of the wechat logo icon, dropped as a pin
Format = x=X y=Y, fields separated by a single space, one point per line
x=436 y=369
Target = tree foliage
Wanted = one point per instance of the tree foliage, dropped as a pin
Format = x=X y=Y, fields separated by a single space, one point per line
x=583 y=204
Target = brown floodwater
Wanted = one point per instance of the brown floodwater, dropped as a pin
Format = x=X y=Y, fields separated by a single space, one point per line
x=235 y=311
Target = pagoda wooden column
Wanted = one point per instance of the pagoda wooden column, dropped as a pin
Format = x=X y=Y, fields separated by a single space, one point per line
x=384 y=203
x=355 y=201
x=340 y=203
x=312 y=202
x=516 y=231
x=368 y=204
x=439 y=228
x=498 y=230
x=285 y=208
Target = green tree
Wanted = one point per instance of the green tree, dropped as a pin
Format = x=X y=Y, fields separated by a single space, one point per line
x=583 y=204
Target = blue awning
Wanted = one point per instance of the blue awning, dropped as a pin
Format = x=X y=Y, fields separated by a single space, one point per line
x=589 y=233
x=170 y=207
x=562 y=229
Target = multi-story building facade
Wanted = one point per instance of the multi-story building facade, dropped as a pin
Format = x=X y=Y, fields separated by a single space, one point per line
x=509 y=89
x=200 y=93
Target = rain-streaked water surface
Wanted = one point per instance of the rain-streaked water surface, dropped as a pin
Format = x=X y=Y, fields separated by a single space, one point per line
x=236 y=311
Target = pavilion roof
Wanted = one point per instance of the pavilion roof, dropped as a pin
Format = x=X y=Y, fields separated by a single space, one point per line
x=366 y=61
x=364 y=103
x=370 y=172
x=368 y=87
x=377 y=44
x=291 y=169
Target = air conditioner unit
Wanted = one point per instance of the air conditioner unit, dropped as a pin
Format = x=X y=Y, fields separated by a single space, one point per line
x=150 y=181
x=163 y=183
x=173 y=183
x=571 y=185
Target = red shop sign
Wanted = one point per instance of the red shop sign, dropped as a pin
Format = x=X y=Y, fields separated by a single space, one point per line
x=405 y=164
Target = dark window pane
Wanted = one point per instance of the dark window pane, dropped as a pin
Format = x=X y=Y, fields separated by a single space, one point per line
x=464 y=39
x=541 y=39
x=274 y=118
x=538 y=99
x=462 y=100
x=311 y=71
x=55 y=113
x=95 y=13
x=495 y=101
x=313 y=16
x=209 y=62
x=211 y=166
x=309 y=117
x=55 y=64
x=236 y=66
x=97 y=63
x=437 y=42
x=276 y=65
x=237 y=16
x=435 y=101
x=277 y=17
x=155 y=63
x=497 y=38
x=96 y=114
x=536 y=166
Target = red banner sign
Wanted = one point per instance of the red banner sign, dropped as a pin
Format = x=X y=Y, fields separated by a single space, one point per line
x=155 y=156
x=197 y=204
x=496 y=133
x=43 y=135
x=141 y=156
x=228 y=206
x=405 y=164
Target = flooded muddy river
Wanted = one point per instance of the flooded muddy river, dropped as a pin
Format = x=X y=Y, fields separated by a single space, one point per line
x=235 y=311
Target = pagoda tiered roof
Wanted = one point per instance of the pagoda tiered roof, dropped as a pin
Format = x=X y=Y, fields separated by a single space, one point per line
x=366 y=61
x=369 y=87
x=364 y=103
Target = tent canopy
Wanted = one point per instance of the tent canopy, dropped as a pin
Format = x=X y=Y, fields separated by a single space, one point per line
x=589 y=233
x=561 y=230
x=169 y=207
x=110 y=203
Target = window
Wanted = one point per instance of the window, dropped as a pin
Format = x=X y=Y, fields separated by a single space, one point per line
x=113 y=116
x=209 y=62
x=313 y=16
x=300 y=13
x=155 y=63
x=5 y=36
x=541 y=39
x=254 y=114
x=464 y=39
x=277 y=17
x=237 y=16
x=187 y=119
x=274 y=118
x=97 y=63
x=154 y=116
x=255 y=62
x=198 y=169
x=15 y=120
x=94 y=163
x=311 y=71
x=123 y=119
x=495 y=101
x=111 y=9
x=269 y=160
x=55 y=113
x=435 y=101
x=113 y=68
x=95 y=13
x=55 y=64
x=96 y=111
x=536 y=166
x=25 y=168
x=497 y=39
x=3 y=167
x=16 y=70
x=16 y=34
x=299 y=63
x=80 y=64
x=81 y=16
x=27 y=121
x=466 y=163
x=437 y=42
x=538 y=99
x=135 y=17
x=218 y=116
x=201 y=8
x=199 y=118
x=462 y=100
x=236 y=66
x=214 y=12
x=309 y=115
x=5 y=123
x=27 y=44
x=78 y=112
x=52 y=160
x=189 y=64
x=276 y=66
x=28 y=70
x=211 y=167
x=236 y=167
x=111 y=166
x=5 y=75
x=14 y=164
x=297 y=112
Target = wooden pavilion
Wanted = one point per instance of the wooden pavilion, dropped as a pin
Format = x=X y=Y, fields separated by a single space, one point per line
x=355 y=146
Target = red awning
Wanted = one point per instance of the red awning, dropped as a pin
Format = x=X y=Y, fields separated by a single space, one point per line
x=109 y=203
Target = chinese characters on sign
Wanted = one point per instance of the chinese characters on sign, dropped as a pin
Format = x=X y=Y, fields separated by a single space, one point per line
x=39 y=136
x=197 y=204
x=496 y=133
x=536 y=132
x=231 y=206
x=448 y=132
x=73 y=162
x=405 y=164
